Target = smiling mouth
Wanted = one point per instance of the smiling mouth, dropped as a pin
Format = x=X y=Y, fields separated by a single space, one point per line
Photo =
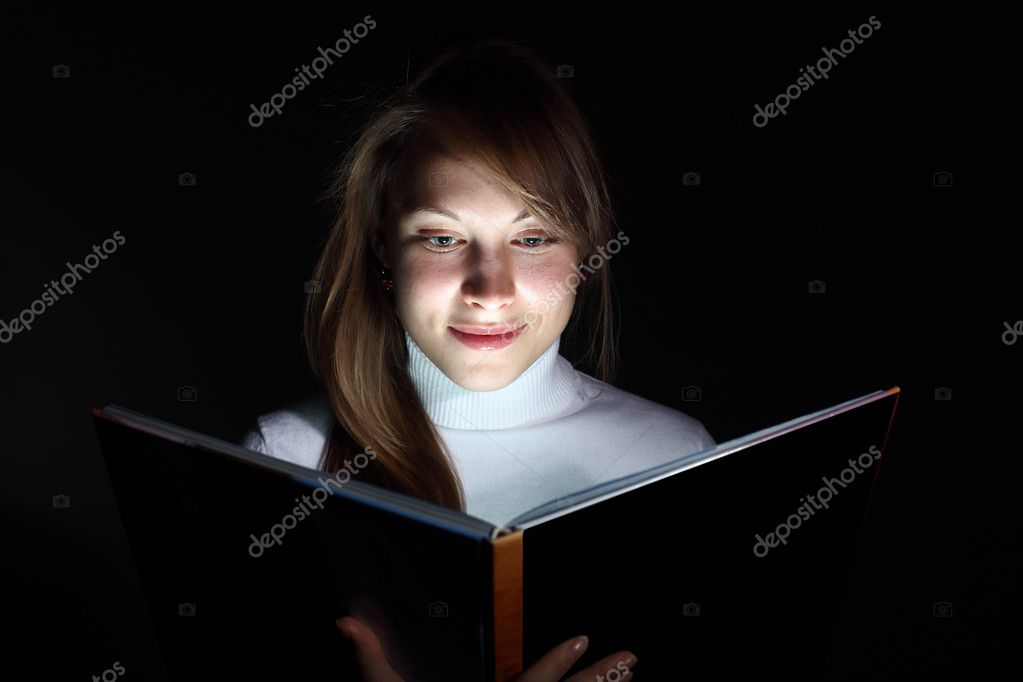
x=486 y=330
x=486 y=338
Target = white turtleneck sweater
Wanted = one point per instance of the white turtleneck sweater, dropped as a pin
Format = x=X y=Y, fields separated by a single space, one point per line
x=551 y=432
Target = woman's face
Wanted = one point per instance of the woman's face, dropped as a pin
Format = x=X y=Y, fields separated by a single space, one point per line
x=463 y=254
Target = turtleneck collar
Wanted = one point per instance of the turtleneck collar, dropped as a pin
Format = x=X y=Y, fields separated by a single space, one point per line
x=541 y=391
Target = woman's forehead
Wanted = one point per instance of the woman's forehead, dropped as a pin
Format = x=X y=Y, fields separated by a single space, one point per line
x=432 y=174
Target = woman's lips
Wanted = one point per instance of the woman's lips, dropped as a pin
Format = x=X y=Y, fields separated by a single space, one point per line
x=486 y=329
x=486 y=338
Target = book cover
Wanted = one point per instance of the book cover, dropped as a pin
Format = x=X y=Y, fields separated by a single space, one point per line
x=696 y=565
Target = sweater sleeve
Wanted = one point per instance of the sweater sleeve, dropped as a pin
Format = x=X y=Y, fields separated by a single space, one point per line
x=254 y=439
x=707 y=441
x=296 y=435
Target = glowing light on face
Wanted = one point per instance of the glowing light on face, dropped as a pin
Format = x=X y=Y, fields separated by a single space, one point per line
x=464 y=253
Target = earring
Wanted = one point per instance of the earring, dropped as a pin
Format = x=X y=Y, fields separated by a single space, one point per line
x=386 y=283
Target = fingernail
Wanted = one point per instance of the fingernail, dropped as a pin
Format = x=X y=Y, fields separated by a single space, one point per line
x=344 y=630
x=579 y=643
x=629 y=661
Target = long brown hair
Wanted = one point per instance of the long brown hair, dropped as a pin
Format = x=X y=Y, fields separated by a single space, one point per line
x=525 y=126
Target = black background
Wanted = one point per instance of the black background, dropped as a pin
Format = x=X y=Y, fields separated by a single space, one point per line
x=208 y=288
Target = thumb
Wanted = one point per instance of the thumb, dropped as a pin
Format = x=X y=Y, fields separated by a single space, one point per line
x=372 y=660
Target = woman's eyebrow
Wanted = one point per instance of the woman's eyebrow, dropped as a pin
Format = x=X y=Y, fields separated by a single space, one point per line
x=454 y=216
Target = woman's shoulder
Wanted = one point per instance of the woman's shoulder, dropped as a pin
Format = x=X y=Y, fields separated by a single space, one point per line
x=296 y=433
x=664 y=423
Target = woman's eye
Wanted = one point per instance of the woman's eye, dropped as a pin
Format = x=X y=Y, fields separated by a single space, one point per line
x=441 y=236
x=533 y=241
x=539 y=244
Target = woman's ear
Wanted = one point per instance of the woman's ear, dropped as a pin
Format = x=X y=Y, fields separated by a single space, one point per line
x=379 y=244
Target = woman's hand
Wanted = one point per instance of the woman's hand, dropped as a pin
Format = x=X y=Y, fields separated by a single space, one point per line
x=550 y=667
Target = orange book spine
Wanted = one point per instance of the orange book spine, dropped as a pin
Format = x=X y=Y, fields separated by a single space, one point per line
x=508 y=606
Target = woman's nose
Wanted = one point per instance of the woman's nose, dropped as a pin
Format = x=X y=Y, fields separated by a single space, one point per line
x=490 y=283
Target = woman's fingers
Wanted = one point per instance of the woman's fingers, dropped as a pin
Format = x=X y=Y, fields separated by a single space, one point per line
x=614 y=667
x=553 y=665
x=372 y=660
x=556 y=662
x=550 y=668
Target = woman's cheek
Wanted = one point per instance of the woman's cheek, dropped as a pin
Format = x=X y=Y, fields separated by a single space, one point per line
x=542 y=277
x=547 y=292
x=557 y=280
x=426 y=279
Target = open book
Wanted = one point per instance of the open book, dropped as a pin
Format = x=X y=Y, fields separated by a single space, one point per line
x=701 y=564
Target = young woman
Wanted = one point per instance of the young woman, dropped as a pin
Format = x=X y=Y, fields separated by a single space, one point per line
x=474 y=228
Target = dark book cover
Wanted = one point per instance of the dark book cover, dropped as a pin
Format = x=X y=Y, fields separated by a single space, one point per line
x=719 y=561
